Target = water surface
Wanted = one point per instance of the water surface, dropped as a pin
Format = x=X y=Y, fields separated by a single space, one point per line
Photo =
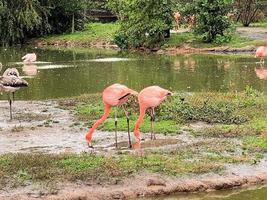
x=254 y=193
x=66 y=73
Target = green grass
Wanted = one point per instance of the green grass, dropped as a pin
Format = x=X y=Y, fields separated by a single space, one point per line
x=93 y=32
x=192 y=40
x=164 y=126
x=262 y=24
x=235 y=114
x=255 y=143
x=21 y=169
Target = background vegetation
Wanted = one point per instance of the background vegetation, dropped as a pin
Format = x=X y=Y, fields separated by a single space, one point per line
x=144 y=23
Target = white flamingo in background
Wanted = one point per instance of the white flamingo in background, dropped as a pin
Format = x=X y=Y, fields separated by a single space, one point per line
x=29 y=58
x=9 y=83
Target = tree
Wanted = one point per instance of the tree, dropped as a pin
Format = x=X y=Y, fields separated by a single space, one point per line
x=143 y=22
x=212 y=20
x=23 y=19
x=247 y=10
x=67 y=15
x=18 y=17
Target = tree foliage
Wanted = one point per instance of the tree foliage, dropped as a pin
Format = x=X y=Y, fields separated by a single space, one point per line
x=247 y=10
x=212 y=20
x=143 y=22
x=22 y=19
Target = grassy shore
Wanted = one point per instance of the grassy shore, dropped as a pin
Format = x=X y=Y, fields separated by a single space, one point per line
x=93 y=32
x=97 y=33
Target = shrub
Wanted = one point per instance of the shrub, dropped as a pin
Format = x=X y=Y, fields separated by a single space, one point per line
x=212 y=21
x=143 y=22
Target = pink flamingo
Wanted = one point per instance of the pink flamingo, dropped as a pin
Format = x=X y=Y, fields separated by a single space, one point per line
x=177 y=17
x=149 y=97
x=29 y=58
x=261 y=52
x=114 y=95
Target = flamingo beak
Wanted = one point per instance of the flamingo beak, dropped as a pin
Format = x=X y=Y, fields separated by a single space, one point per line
x=169 y=94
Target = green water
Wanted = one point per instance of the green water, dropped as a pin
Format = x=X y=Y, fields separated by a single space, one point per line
x=256 y=193
x=65 y=73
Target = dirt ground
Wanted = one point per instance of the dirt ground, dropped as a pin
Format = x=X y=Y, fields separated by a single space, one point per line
x=44 y=127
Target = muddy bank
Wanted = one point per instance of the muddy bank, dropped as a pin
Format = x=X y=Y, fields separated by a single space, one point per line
x=146 y=184
x=168 y=51
x=43 y=127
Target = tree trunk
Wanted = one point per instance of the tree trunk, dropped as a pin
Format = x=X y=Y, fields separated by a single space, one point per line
x=73 y=24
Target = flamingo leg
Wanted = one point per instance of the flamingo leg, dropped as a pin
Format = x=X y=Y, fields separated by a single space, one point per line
x=116 y=128
x=128 y=125
x=152 y=119
x=10 y=106
x=13 y=96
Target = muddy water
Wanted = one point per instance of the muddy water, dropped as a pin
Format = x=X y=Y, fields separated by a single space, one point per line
x=64 y=73
x=256 y=193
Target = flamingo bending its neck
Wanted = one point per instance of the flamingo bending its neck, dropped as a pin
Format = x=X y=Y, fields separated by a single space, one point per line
x=114 y=95
x=149 y=97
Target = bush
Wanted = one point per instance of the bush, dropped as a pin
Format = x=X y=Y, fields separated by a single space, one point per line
x=143 y=22
x=212 y=21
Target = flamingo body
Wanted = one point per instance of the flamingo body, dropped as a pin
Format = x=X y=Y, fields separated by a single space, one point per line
x=11 y=78
x=10 y=82
x=261 y=52
x=149 y=97
x=152 y=96
x=116 y=94
x=29 y=58
x=113 y=95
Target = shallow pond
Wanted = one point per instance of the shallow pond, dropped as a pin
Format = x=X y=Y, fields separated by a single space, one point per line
x=256 y=193
x=65 y=72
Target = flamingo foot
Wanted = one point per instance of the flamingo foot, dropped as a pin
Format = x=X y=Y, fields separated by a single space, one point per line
x=90 y=145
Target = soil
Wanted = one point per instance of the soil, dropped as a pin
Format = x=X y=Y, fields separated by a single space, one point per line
x=44 y=127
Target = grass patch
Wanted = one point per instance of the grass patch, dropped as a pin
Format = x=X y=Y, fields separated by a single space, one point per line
x=236 y=114
x=93 y=32
x=255 y=144
x=37 y=168
x=253 y=128
x=262 y=24
x=190 y=39
x=166 y=126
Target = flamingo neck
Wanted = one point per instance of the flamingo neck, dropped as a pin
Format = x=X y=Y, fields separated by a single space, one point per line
x=98 y=122
x=138 y=123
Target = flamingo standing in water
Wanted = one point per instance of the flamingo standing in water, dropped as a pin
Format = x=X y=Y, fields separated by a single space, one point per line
x=261 y=52
x=149 y=97
x=10 y=82
x=29 y=58
x=114 y=95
